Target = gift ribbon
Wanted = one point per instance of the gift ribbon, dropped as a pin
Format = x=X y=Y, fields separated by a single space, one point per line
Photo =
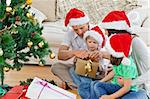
x=45 y=84
x=88 y=67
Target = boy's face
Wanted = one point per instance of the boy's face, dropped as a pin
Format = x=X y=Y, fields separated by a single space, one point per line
x=92 y=44
x=81 y=29
x=115 y=61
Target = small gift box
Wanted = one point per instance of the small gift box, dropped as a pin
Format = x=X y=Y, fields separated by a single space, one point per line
x=17 y=92
x=86 y=68
x=40 y=89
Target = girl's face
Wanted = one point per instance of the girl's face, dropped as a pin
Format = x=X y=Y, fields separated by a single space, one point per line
x=92 y=44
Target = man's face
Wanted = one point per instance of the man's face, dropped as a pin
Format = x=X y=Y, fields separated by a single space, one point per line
x=92 y=44
x=81 y=29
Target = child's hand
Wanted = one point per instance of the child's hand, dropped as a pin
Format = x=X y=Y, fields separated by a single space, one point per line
x=120 y=80
x=95 y=56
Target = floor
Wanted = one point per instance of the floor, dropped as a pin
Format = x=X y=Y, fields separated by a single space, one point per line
x=13 y=77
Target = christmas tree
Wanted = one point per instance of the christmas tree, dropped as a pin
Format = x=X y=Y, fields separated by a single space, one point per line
x=20 y=36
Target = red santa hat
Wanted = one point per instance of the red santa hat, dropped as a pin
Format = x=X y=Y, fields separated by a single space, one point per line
x=97 y=34
x=116 y=20
x=76 y=17
x=119 y=45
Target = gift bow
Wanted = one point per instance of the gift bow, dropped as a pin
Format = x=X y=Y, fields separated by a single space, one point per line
x=88 y=67
x=45 y=84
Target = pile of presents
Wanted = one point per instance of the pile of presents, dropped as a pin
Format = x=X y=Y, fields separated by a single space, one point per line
x=38 y=89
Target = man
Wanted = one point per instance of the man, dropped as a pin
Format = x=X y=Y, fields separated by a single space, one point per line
x=73 y=44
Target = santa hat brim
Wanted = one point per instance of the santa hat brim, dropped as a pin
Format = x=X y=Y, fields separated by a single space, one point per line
x=79 y=21
x=117 y=25
x=95 y=35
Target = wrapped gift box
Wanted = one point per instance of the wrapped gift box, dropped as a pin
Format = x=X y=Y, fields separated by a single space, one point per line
x=40 y=89
x=17 y=92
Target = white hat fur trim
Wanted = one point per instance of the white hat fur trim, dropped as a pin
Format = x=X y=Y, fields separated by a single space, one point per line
x=126 y=61
x=95 y=35
x=79 y=21
x=118 y=25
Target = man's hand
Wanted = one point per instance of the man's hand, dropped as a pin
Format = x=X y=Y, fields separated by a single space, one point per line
x=64 y=53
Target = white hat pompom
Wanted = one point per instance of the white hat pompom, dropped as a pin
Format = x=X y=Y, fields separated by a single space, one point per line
x=126 y=61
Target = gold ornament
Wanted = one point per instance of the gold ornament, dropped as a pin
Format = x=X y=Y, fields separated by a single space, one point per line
x=30 y=43
x=29 y=15
x=6 y=69
x=23 y=6
x=41 y=44
x=35 y=21
x=88 y=66
x=1 y=52
x=41 y=64
x=28 y=2
x=52 y=55
x=13 y=11
x=8 y=9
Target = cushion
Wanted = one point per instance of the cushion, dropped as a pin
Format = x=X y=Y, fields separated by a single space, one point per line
x=140 y=20
x=143 y=3
x=143 y=32
x=146 y=22
x=137 y=16
x=48 y=7
x=38 y=14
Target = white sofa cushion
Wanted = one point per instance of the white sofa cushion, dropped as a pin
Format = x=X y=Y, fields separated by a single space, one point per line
x=143 y=32
x=38 y=14
x=147 y=22
x=48 y=7
x=140 y=20
x=137 y=16
x=143 y=3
